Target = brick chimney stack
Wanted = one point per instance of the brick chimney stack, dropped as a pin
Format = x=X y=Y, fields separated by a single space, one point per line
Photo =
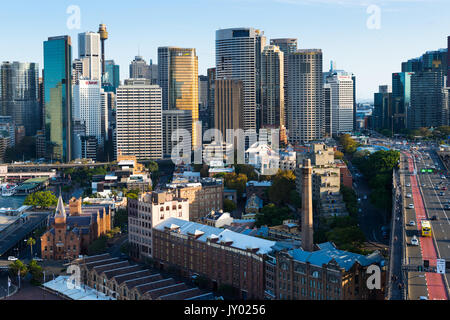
x=307 y=207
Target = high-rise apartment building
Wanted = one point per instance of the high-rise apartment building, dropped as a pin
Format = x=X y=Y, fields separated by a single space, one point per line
x=228 y=111
x=178 y=79
x=19 y=94
x=58 y=97
x=238 y=57
x=272 y=87
x=426 y=99
x=287 y=46
x=89 y=49
x=305 y=96
x=139 y=119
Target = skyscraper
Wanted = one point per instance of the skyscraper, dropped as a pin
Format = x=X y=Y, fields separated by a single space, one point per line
x=382 y=111
x=272 y=87
x=88 y=107
x=89 y=49
x=228 y=105
x=426 y=99
x=238 y=52
x=287 y=46
x=175 y=120
x=305 y=96
x=401 y=98
x=211 y=87
x=139 y=120
x=19 y=94
x=58 y=97
x=139 y=69
x=448 y=62
x=111 y=79
x=342 y=104
x=178 y=79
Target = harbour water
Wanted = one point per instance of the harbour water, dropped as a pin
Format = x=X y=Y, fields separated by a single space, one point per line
x=13 y=202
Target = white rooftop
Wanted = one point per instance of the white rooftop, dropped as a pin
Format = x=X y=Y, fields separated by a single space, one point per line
x=62 y=285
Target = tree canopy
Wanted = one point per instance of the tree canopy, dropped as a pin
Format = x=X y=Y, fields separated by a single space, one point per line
x=41 y=199
x=282 y=185
x=272 y=215
x=348 y=143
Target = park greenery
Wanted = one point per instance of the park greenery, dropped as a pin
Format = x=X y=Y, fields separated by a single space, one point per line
x=33 y=268
x=41 y=199
x=377 y=169
x=282 y=185
x=83 y=175
x=348 y=143
x=236 y=182
x=272 y=215
x=98 y=246
x=343 y=232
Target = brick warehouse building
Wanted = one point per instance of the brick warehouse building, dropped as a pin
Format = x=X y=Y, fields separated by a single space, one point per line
x=324 y=274
x=69 y=236
x=223 y=256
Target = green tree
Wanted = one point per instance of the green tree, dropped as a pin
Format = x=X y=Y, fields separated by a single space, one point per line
x=121 y=219
x=272 y=215
x=282 y=185
x=31 y=242
x=98 y=246
x=36 y=272
x=229 y=205
x=348 y=144
x=41 y=199
x=17 y=266
x=236 y=182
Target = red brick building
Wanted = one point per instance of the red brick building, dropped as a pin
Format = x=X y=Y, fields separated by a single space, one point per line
x=68 y=236
x=224 y=257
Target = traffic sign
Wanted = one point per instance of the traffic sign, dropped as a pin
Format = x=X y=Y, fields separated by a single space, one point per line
x=440 y=266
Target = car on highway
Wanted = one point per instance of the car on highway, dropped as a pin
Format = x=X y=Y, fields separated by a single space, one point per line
x=436 y=188
x=408 y=184
x=442 y=193
x=424 y=185
x=38 y=259
x=446 y=207
x=434 y=218
x=444 y=188
x=412 y=223
x=414 y=241
x=408 y=195
x=411 y=206
x=12 y=258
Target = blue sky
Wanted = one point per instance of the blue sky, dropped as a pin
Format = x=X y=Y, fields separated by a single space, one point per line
x=338 y=27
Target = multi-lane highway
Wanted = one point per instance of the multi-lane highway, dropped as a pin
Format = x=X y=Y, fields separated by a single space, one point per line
x=423 y=202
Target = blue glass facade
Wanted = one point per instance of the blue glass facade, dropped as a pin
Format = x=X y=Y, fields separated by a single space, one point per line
x=111 y=80
x=58 y=98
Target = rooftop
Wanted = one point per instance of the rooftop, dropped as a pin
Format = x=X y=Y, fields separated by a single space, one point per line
x=328 y=252
x=237 y=240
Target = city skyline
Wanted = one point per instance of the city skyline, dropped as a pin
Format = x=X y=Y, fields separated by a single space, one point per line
x=399 y=38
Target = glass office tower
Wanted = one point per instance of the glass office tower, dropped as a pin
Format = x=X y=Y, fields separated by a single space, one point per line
x=178 y=79
x=111 y=80
x=19 y=94
x=58 y=98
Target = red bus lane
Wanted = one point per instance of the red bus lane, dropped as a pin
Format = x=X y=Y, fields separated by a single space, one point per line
x=435 y=282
